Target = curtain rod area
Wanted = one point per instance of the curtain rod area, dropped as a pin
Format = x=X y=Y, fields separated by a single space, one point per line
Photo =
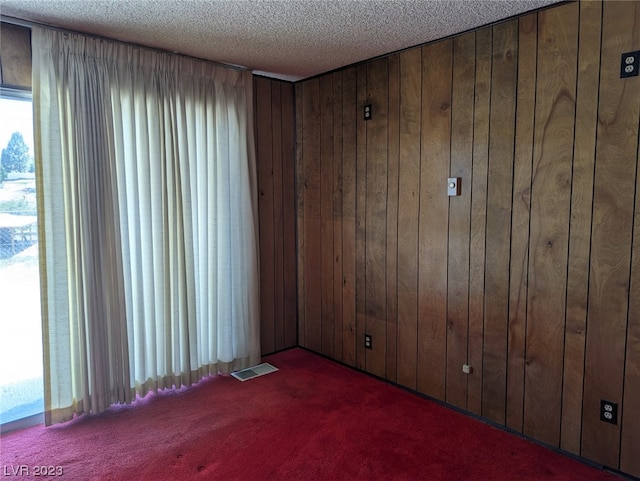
x=30 y=24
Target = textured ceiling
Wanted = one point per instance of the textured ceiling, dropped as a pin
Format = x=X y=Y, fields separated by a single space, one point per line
x=288 y=39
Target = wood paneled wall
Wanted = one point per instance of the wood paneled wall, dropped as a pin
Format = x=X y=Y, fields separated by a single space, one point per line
x=275 y=130
x=15 y=56
x=532 y=274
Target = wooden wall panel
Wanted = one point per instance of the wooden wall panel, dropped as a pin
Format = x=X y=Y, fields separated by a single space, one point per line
x=477 y=242
x=326 y=214
x=275 y=124
x=361 y=215
x=531 y=275
x=630 y=440
x=349 y=112
x=290 y=327
x=460 y=218
x=264 y=153
x=611 y=233
x=376 y=215
x=301 y=190
x=393 y=157
x=580 y=228
x=519 y=262
x=550 y=208
x=15 y=56
x=310 y=256
x=278 y=216
x=433 y=219
x=337 y=216
x=499 y=197
x=408 y=202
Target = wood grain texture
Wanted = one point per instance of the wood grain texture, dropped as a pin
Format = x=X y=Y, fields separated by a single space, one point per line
x=499 y=197
x=611 y=233
x=349 y=113
x=477 y=241
x=275 y=132
x=520 y=216
x=337 y=216
x=289 y=214
x=435 y=161
x=550 y=209
x=630 y=421
x=408 y=200
x=326 y=213
x=312 y=217
x=278 y=216
x=361 y=215
x=376 y=215
x=544 y=276
x=580 y=224
x=393 y=157
x=300 y=220
x=264 y=137
x=460 y=218
x=15 y=56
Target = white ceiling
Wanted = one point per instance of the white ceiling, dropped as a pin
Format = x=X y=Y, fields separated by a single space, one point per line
x=287 y=39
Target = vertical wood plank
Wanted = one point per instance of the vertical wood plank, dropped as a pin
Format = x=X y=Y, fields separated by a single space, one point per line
x=479 y=175
x=550 y=209
x=376 y=215
x=392 y=217
x=278 y=219
x=630 y=421
x=349 y=112
x=580 y=224
x=337 y=216
x=611 y=234
x=326 y=212
x=300 y=220
x=460 y=218
x=408 y=214
x=527 y=36
x=361 y=215
x=265 y=210
x=289 y=214
x=499 y=196
x=433 y=222
x=312 y=216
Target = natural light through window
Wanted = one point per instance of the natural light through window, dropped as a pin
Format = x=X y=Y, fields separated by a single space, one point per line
x=21 y=392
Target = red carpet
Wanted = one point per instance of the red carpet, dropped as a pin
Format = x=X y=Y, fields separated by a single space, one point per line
x=311 y=420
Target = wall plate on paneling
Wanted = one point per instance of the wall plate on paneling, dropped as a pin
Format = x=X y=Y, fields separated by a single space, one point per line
x=629 y=65
x=453 y=186
x=368 y=112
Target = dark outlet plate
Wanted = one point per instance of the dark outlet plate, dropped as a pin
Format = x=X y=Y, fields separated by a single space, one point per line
x=368 y=341
x=368 y=112
x=608 y=412
x=630 y=64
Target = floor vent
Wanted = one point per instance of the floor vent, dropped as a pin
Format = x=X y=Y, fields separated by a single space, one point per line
x=255 y=371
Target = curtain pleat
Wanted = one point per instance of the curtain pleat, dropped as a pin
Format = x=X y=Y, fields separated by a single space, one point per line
x=149 y=224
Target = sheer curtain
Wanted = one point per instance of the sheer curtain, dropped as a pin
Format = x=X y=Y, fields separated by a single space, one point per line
x=149 y=220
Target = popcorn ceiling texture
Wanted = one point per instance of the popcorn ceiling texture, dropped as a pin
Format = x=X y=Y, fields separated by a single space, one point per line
x=288 y=39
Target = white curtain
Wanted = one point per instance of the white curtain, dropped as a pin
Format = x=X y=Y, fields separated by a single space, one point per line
x=146 y=170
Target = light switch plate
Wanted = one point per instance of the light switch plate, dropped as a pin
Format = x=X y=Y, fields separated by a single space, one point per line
x=453 y=186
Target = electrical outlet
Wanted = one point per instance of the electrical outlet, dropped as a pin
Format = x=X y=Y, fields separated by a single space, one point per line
x=608 y=411
x=368 y=341
x=368 y=112
x=629 y=64
x=467 y=369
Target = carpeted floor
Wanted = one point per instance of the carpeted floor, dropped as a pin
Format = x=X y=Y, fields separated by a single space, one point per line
x=311 y=420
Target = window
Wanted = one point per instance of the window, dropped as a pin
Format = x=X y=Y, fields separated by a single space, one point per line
x=21 y=387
